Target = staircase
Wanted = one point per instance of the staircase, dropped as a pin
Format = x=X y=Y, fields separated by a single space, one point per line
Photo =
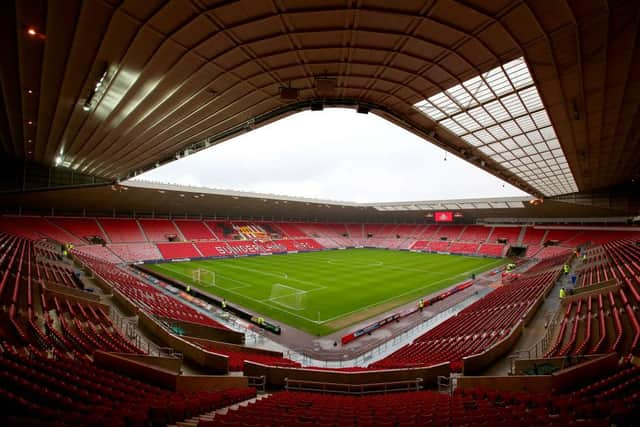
x=523 y=230
x=207 y=418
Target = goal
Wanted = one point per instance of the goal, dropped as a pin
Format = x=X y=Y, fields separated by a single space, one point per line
x=288 y=296
x=203 y=277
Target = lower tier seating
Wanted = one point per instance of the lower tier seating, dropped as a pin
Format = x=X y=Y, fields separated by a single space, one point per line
x=464 y=408
x=36 y=391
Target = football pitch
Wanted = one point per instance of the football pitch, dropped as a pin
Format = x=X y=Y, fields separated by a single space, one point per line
x=321 y=292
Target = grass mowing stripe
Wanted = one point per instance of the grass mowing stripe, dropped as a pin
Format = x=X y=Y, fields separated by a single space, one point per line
x=323 y=291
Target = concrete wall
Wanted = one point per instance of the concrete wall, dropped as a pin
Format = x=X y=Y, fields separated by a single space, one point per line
x=275 y=376
x=215 y=362
x=233 y=347
x=478 y=362
x=209 y=333
x=566 y=379
x=209 y=382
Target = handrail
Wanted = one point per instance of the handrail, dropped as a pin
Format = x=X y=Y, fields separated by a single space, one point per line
x=353 y=389
x=259 y=382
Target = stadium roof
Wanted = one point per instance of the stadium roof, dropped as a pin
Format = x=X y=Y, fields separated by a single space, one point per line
x=134 y=198
x=111 y=88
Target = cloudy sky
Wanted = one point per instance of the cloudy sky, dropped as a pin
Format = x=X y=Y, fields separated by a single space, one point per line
x=334 y=154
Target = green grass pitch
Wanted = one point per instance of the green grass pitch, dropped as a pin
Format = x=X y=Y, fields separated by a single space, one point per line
x=320 y=292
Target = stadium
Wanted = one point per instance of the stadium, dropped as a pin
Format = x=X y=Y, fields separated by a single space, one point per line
x=133 y=303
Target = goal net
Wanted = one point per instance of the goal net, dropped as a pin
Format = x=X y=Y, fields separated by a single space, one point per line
x=204 y=277
x=287 y=296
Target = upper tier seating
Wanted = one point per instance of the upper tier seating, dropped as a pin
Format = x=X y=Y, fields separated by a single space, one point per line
x=194 y=229
x=561 y=235
x=451 y=232
x=475 y=233
x=491 y=249
x=99 y=252
x=511 y=234
x=158 y=230
x=82 y=228
x=533 y=236
x=122 y=230
x=289 y=230
x=36 y=228
x=552 y=251
x=133 y=252
x=178 y=250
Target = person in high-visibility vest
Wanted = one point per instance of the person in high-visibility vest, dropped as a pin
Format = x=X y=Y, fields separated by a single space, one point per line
x=261 y=321
x=188 y=289
x=584 y=257
x=563 y=293
x=224 y=304
x=421 y=304
x=566 y=268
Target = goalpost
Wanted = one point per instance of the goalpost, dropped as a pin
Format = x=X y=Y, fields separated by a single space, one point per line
x=288 y=296
x=203 y=277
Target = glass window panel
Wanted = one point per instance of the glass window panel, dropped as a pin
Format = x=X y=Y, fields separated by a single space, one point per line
x=472 y=140
x=460 y=95
x=453 y=126
x=521 y=140
x=531 y=99
x=541 y=118
x=481 y=116
x=486 y=150
x=498 y=148
x=548 y=133
x=513 y=105
x=498 y=132
x=497 y=111
x=510 y=143
x=553 y=143
x=498 y=82
x=534 y=136
x=445 y=104
x=484 y=136
x=525 y=123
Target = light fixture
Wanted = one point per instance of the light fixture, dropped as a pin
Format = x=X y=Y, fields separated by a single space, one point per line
x=30 y=122
x=32 y=31
x=29 y=91
x=58 y=160
x=99 y=85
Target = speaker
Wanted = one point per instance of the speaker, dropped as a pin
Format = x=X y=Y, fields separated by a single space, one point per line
x=317 y=106
x=362 y=110
x=288 y=93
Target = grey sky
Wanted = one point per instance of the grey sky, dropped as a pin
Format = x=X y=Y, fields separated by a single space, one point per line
x=334 y=154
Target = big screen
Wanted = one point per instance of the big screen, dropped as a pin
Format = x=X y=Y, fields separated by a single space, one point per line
x=443 y=216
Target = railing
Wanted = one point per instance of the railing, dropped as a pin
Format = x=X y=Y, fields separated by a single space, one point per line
x=389 y=346
x=258 y=382
x=353 y=389
x=129 y=328
x=539 y=349
x=444 y=384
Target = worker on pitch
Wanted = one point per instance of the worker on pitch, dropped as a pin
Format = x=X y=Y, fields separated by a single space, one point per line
x=224 y=304
x=420 y=304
